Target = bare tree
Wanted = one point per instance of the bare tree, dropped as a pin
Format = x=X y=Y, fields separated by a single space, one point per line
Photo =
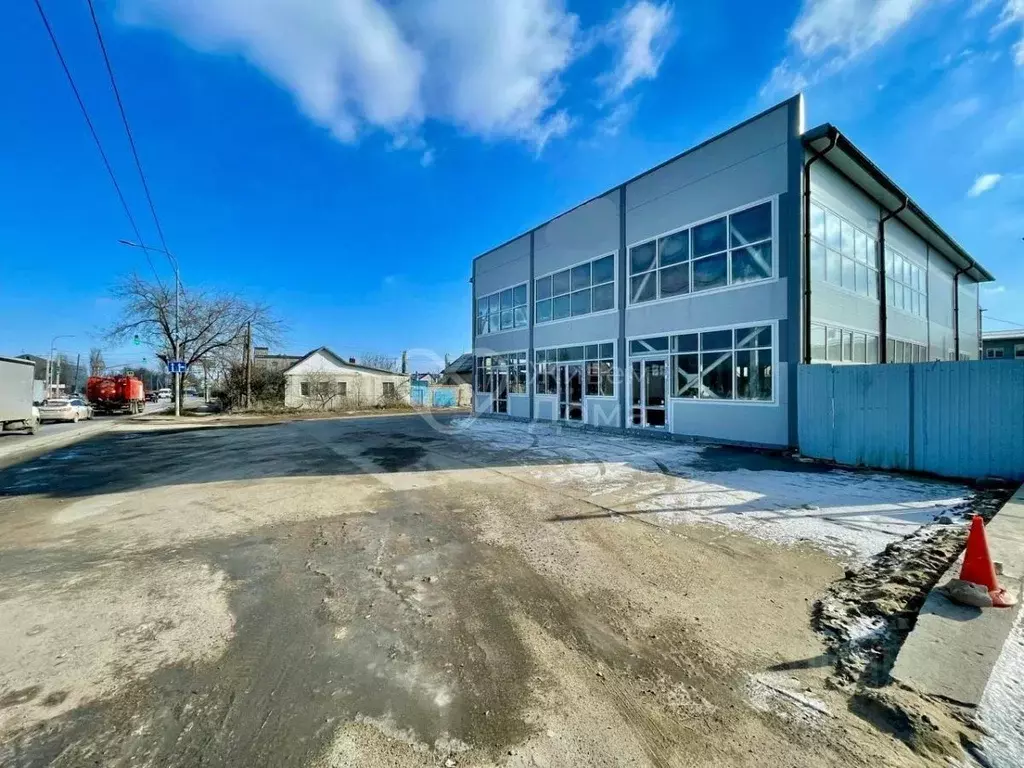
x=208 y=323
x=379 y=361
x=96 y=363
x=320 y=391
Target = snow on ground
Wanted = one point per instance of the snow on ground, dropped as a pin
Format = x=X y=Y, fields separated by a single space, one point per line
x=853 y=514
x=1001 y=709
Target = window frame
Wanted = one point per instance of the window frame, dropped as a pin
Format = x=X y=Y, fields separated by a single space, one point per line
x=488 y=296
x=917 y=295
x=541 y=368
x=727 y=252
x=569 y=268
x=870 y=263
x=857 y=335
x=671 y=354
x=1018 y=351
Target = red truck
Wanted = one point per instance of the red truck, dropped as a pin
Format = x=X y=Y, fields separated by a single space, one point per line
x=116 y=394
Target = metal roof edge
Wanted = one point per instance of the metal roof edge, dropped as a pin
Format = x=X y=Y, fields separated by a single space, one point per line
x=851 y=150
x=785 y=103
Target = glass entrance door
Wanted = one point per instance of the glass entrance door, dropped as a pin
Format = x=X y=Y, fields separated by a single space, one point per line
x=648 y=393
x=500 y=402
x=570 y=392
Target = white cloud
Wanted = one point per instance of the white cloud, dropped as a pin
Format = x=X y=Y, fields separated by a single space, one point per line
x=491 y=68
x=988 y=288
x=1013 y=16
x=487 y=66
x=427 y=158
x=641 y=35
x=828 y=34
x=983 y=184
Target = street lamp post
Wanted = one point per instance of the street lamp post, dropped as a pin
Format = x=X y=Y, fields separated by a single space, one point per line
x=49 y=360
x=177 y=289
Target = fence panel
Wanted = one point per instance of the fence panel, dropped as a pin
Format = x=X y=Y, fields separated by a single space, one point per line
x=865 y=397
x=815 y=428
x=969 y=419
x=963 y=420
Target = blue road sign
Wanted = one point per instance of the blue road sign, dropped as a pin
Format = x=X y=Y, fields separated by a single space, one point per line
x=176 y=366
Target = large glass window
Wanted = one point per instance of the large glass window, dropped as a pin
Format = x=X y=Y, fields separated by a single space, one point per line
x=906 y=284
x=580 y=290
x=502 y=311
x=830 y=344
x=730 y=250
x=599 y=367
x=734 y=364
x=842 y=254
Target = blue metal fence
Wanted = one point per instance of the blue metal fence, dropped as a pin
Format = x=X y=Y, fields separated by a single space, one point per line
x=962 y=420
x=422 y=396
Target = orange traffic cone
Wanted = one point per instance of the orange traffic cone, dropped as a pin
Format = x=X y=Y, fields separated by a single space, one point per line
x=978 y=567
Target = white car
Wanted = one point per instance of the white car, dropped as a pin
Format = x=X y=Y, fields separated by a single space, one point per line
x=64 y=409
x=164 y=394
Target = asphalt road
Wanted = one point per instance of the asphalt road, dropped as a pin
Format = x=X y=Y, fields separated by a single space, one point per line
x=18 y=442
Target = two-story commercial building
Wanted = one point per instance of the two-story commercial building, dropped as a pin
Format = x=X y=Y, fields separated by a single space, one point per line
x=682 y=300
x=1003 y=345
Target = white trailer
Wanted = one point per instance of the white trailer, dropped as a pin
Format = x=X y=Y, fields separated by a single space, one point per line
x=17 y=383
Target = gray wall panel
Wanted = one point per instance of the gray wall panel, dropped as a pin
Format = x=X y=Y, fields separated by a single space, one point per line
x=835 y=191
x=602 y=412
x=519 y=406
x=499 y=343
x=834 y=306
x=603 y=327
x=759 y=302
x=503 y=268
x=751 y=424
x=651 y=209
x=587 y=232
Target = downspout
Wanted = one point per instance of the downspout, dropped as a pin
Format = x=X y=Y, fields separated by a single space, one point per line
x=883 y=312
x=833 y=135
x=956 y=307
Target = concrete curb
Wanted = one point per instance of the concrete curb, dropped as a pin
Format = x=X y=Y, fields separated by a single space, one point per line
x=953 y=648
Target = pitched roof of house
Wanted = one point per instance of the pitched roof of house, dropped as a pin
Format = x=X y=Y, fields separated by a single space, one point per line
x=338 y=361
x=461 y=364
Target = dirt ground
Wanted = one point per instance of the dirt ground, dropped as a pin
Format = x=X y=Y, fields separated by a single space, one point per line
x=395 y=592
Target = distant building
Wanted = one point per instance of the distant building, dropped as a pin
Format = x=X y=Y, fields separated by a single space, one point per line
x=459 y=371
x=321 y=380
x=261 y=358
x=1003 y=345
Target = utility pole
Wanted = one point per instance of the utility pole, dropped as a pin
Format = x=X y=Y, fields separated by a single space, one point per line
x=404 y=371
x=248 y=365
x=78 y=361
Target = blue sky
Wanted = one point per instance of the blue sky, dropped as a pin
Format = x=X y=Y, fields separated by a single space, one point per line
x=345 y=161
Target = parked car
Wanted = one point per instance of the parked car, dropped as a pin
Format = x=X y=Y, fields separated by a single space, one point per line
x=164 y=394
x=151 y=396
x=65 y=409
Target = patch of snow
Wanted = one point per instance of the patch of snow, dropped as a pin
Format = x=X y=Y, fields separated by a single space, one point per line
x=850 y=514
x=772 y=694
x=1001 y=709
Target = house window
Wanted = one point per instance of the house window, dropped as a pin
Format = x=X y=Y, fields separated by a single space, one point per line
x=733 y=364
x=388 y=388
x=342 y=389
x=579 y=290
x=842 y=254
x=731 y=250
x=304 y=388
x=1018 y=351
x=502 y=311
x=839 y=345
x=906 y=284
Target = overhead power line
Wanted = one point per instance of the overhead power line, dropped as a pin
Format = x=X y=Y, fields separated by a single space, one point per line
x=1000 y=320
x=127 y=126
x=92 y=130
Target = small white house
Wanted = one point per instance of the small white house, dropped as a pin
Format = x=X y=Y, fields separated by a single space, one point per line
x=325 y=382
